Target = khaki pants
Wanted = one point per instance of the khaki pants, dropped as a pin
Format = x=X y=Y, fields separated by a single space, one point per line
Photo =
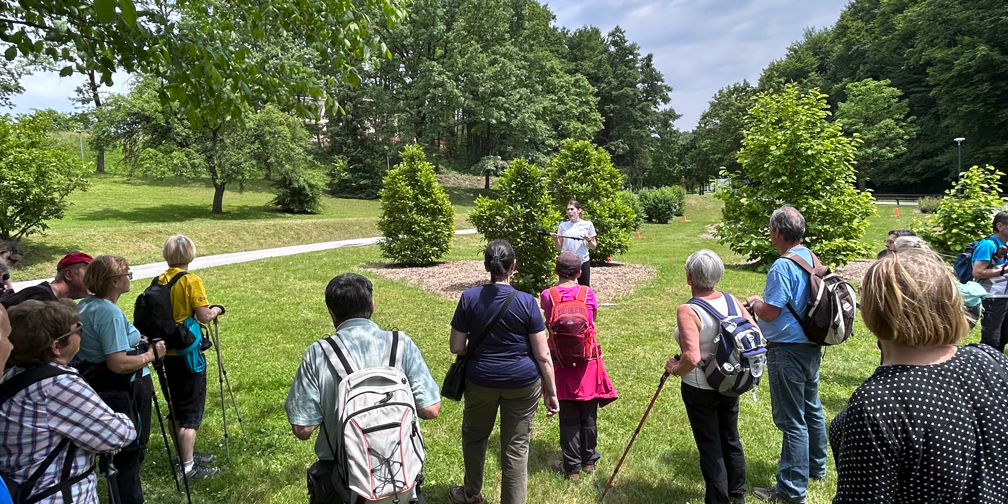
x=517 y=411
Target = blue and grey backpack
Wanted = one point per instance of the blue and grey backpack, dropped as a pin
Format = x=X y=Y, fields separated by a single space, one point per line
x=739 y=358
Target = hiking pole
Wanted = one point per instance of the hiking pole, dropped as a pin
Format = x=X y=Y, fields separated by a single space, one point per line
x=223 y=369
x=106 y=467
x=159 y=367
x=547 y=233
x=220 y=381
x=641 y=424
x=164 y=435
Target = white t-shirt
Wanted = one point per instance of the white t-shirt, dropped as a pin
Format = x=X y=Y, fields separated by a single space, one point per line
x=577 y=230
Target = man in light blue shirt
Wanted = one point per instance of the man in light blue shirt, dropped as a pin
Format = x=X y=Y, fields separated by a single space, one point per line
x=312 y=400
x=989 y=270
x=792 y=364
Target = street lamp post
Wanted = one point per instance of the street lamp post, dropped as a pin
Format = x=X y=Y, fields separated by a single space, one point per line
x=959 y=142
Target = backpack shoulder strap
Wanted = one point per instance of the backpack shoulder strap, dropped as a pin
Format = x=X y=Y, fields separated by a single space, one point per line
x=171 y=283
x=23 y=380
x=582 y=294
x=338 y=357
x=394 y=352
x=801 y=262
x=730 y=302
x=707 y=307
x=554 y=294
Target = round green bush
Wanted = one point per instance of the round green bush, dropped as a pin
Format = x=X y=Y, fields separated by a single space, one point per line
x=417 y=219
x=664 y=203
x=298 y=192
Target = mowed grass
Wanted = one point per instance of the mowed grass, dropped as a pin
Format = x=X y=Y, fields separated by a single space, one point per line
x=133 y=217
x=276 y=310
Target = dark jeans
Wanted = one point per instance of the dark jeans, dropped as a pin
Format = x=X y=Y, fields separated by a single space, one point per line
x=994 y=323
x=714 y=419
x=585 y=278
x=794 y=400
x=128 y=461
x=578 y=434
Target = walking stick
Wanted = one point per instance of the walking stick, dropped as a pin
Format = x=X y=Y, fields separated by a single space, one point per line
x=106 y=467
x=222 y=378
x=159 y=367
x=220 y=381
x=157 y=411
x=641 y=424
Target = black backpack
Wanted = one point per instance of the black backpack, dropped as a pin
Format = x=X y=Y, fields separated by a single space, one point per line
x=153 y=316
x=22 y=493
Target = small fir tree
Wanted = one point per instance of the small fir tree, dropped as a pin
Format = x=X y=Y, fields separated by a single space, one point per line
x=417 y=219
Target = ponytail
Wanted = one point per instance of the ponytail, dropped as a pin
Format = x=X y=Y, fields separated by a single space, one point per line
x=498 y=259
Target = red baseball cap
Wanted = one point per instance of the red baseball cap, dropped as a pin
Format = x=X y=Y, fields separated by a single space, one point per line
x=74 y=258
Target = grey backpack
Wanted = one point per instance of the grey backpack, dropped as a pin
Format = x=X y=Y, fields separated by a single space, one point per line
x=381 y=451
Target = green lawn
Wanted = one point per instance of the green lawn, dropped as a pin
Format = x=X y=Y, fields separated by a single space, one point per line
x=276 y=309
x=133 y=217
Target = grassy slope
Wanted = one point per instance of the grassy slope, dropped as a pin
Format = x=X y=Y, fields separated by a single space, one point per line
x=276 y=309
x=132 y=218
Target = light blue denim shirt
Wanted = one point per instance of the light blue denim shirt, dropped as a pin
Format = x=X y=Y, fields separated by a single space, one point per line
x=312 y=396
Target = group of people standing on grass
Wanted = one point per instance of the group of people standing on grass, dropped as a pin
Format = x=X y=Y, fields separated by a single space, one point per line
x=77 y=381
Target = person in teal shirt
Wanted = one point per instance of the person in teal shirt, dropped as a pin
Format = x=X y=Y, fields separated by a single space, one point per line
x=112 y=361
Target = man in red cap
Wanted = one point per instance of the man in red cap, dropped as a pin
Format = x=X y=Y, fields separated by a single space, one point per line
x=68 y=284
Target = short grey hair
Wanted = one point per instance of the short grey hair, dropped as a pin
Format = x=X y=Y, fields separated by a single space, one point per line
x=788 y=221
x=179 y=251
x=908 y=242
x=705 y=268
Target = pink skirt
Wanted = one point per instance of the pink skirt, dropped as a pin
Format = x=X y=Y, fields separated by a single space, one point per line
x=585 y=383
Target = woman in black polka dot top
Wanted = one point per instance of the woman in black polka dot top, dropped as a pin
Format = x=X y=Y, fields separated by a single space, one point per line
x=931 y=425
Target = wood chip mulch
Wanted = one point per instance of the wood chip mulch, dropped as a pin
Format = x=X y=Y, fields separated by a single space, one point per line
x=449 y=279
x=854 y=270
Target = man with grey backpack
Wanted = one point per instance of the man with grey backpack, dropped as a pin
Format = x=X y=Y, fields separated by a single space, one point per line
x=793 y=358
x=367 y=388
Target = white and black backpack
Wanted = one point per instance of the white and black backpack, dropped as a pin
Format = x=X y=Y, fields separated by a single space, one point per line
x=829 y=315
x=380 y=450
x=739 y=357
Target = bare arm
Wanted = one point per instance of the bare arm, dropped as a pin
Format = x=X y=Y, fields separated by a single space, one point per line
x=689 y=340
x=981 y=270
x=558 y=242
x=205 y=314
x=303 y=432
x=121 y=363
x=430 y=412
x=763 y=310
x=591 y=241
x=541 y=353
x=457 y=342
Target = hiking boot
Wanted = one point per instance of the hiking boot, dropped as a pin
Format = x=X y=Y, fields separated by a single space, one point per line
x=203 y=459
x=772 y=495
x=201 y=472
x=818 y=479
x=587 y=468
x=557 y=467
x=457 y=495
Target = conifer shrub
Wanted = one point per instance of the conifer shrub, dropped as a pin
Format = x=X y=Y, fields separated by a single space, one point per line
x=521 y=210
x=417 y=219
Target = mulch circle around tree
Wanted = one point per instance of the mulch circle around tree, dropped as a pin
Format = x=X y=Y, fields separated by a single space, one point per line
x=449 y=279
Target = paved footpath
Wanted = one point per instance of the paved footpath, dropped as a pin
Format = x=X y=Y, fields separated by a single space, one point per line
x=152 y=270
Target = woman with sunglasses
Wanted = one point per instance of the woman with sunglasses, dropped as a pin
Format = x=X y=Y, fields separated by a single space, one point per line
x=113 y=358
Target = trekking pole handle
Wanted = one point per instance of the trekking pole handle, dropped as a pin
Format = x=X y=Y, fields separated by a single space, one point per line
x=157 y=358
x=219 y=307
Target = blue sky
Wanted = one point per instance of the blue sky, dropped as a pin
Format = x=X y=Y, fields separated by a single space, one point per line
x=699 y=45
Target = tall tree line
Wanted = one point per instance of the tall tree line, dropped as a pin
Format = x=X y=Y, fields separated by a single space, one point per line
x=470 y=78
x=947 y=66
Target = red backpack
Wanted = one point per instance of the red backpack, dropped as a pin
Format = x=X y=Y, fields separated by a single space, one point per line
x=571 y=340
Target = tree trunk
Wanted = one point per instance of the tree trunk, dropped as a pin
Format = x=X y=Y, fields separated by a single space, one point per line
x=218 y=199
x=100 y=168
x=486 y=184
x=861 y=184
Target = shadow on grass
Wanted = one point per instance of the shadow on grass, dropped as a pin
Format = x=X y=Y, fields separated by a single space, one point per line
x=180 y=213
x=461 y=196
x=42 y=253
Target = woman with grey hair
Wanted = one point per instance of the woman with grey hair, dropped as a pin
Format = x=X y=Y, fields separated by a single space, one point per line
x=712 y=415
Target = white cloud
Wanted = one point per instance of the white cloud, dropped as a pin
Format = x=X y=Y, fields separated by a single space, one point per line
x=48 y=90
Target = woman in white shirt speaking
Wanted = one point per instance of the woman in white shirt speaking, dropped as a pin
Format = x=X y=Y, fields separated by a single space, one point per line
x=577 y=235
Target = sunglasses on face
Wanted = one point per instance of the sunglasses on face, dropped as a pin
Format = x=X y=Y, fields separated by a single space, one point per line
x=76 y=328
x=129 y=274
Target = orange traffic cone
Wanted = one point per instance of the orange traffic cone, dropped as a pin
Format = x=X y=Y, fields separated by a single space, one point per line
x=638 y=235
x=897 y=212
x=684 y=219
